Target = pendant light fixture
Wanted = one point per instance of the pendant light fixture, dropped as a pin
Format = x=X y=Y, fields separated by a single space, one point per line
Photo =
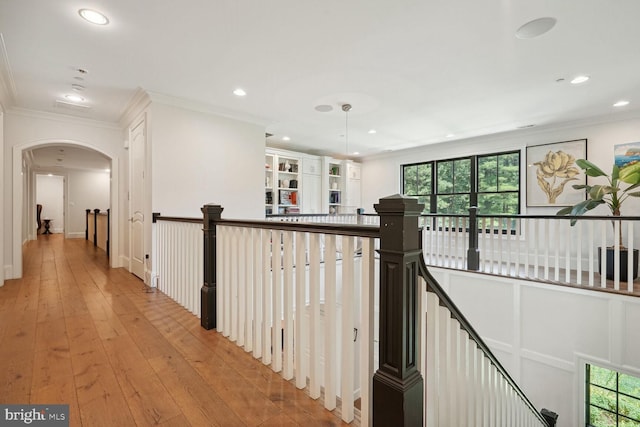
x=346 y=108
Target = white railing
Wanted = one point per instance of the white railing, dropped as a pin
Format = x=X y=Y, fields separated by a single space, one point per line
x=178 y=260
x=465 y=384
x=297 y=314
x=363 y=219
x=546 y=248
x=303 y=299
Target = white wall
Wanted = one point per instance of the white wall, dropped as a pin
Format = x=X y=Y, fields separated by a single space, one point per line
x=200 y=158
x=28 y=129
x=86 y=190
x=50 y=194
x=381 y=174
x=544 y=334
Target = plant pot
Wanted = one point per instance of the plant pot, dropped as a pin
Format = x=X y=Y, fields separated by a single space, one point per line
x=623 y=263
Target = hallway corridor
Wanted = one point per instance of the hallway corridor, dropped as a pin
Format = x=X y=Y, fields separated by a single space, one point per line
x=73 y=331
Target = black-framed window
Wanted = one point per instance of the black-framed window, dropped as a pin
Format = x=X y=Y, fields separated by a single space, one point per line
x=499 y=183
x=491 y=182
x=612 y=398
x=417 y=181
x=453 y=185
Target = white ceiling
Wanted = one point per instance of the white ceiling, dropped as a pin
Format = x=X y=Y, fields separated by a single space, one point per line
x=53 y=158
x=413 y=70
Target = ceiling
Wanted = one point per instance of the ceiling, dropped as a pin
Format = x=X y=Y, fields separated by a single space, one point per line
x=54 y=158
x=418 y=72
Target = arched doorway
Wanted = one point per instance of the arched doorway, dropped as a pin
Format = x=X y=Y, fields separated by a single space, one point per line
x=23 y=204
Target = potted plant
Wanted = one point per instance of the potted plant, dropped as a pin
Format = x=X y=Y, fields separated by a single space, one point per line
x=613 y=195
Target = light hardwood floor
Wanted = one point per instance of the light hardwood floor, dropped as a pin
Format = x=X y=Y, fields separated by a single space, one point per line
x=74 y=331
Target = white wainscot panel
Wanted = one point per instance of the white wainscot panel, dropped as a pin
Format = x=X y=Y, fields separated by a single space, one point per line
x=551 y=388
x=559 y=324
x=630 y=341
x=487 y=304
x=505 y=357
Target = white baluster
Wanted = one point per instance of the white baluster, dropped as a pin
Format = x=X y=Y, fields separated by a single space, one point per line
x=314 y=324
x=444 y=380
x=616 y=255
x=330 y=315
x=366 y=331
x=276 y=289
x=287 y=367
x=630 y=256
x=603 y=257
x=242 y=283
x=591 y=256
x=301 y=327
x=348 y=356
x=547 y=235
x=266 y=297
x=257 y=293
x=432 y=371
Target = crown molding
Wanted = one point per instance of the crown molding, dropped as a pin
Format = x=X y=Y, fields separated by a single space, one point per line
x=205 y=108
x=36 y=114
x=507 y=135
x=138 y=102
x=7 y=83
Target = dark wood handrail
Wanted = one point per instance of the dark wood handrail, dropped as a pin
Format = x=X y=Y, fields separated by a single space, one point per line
x=520 y=216
x=176 y=219
x=337 y=229
x=445 y=301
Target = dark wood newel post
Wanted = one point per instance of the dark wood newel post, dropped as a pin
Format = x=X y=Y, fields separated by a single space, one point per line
x=211 y=213
x=95 y=226
x=398 y=398
x=473 y=253
x=86 y=224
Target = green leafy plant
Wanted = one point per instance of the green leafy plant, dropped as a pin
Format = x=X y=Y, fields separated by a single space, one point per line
x=611 y=194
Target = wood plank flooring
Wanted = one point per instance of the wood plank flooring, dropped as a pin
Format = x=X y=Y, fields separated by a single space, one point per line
x=73 y=331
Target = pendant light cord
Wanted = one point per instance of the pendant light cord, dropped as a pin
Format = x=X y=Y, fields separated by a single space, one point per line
x=346 y=108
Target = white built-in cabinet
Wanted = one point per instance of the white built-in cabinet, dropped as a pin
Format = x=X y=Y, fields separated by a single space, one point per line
x=282 y=183
x=312 y=184
x=304 y=183
x=352 y=187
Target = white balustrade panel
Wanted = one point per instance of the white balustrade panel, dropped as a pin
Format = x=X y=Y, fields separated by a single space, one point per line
x=547 y=249
x=179 y=257
x=265 y=275
x=462 y=385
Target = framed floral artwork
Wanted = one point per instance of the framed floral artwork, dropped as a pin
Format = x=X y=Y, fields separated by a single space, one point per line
x=552 y=172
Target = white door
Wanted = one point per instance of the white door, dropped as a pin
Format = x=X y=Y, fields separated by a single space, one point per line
x=137 y=148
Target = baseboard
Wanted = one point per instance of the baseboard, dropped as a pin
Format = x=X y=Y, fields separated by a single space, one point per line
x=124 y=261
x=75 y=235
x=8 y=272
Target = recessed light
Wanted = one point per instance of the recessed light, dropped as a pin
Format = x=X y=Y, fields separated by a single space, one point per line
x=286 y=138
x=621 y=103
x=50 y=174
x=579 y=79
x=372 y=131
x=93 y=16
x=77 y=87
x=74 y=98
x=450 y=135
x=323 y=108
x=355 y=153
x=239 y=92
x=536 y=28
